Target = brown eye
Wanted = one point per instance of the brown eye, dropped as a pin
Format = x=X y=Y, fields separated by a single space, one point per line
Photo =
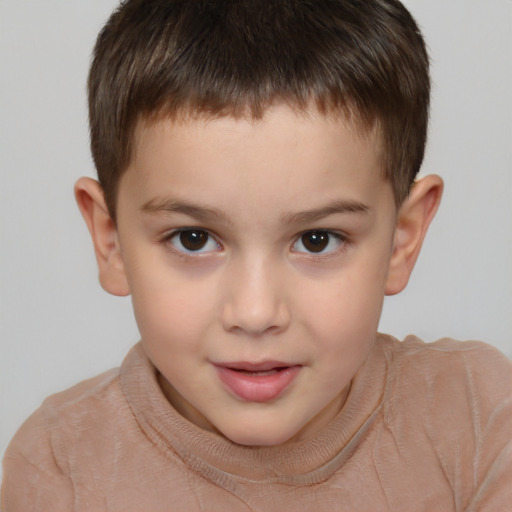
x=193 y=241
x=319 y=242
x=315 y=241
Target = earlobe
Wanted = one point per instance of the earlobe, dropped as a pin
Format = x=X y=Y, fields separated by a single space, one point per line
x=413 y=220
x=90 y=199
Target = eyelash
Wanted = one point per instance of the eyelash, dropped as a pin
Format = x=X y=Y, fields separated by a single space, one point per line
x=340 y=238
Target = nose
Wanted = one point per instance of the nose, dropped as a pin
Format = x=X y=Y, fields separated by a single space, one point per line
x=255 y=300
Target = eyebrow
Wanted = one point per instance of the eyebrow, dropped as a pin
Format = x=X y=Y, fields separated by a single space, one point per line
x=336 y=207
x=198 y=212
x=203 y=213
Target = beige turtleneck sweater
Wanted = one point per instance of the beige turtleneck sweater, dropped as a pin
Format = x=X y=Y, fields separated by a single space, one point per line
x=426 y=427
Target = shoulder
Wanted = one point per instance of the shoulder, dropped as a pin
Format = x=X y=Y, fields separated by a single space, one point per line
x=82 y=397
x=82 y=419
x=42 y=427
x=455 y=400
x=469 y=378
x=448 y=349
x=472 y=366
x=442 y=349
x=36 y=472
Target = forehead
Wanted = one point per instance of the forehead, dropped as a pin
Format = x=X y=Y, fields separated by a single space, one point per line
x=286 y=153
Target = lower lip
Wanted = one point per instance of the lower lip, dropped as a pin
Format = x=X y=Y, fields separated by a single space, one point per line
x=252 y=387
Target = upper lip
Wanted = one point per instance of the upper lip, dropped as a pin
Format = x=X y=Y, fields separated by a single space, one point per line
x=262 y=366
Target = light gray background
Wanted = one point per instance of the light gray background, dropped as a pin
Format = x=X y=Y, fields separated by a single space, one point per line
x=57 y=326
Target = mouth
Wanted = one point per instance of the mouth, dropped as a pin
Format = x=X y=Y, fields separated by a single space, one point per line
x=261 y=372
x=257 y=382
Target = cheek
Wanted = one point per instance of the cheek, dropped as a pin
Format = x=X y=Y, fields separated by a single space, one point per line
x=168 y=309
x=172 y=322
x=347 y=304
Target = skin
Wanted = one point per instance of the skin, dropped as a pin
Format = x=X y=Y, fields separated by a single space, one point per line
x=257 y=191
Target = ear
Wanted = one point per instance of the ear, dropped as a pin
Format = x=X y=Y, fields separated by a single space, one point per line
x=91 y=201
x=413 y=220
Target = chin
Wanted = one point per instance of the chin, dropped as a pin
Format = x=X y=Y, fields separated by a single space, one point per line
x=257 y=437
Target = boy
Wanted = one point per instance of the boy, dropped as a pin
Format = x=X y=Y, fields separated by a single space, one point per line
x=257 y=200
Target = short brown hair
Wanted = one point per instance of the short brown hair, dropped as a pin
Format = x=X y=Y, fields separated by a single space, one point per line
x=233 y=57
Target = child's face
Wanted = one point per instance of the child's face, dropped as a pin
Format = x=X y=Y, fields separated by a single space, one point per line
x=257 y=255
